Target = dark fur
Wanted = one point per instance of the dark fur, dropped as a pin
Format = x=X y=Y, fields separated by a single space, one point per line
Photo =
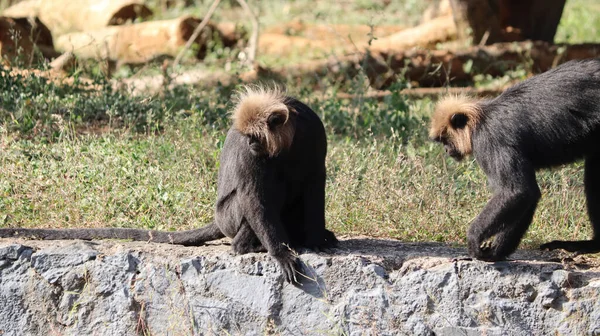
x=263 y=202
x=547 y=120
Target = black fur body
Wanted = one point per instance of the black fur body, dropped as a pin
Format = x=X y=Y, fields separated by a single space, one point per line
x=545 y=121
x=268 y=203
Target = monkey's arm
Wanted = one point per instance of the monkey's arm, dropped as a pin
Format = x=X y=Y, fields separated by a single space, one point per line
x=507 y=215
x=188 y=238
x=262 y=209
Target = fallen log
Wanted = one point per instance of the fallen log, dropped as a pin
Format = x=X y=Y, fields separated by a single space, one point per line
x=425 y=35
x=284 y=45
x=136 y=43
x=62 y=16
x=308 y=41
x=156 y=83
x=346 y=33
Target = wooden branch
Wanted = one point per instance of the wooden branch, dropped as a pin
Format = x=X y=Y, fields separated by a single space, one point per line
x=333 y=33
x=322 y=39
x=63 y=62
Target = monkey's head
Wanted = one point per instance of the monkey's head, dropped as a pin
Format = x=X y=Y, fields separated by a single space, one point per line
x=263 y=117
x=452 y=124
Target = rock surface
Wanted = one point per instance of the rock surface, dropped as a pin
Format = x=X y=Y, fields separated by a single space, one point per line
x=365 y=287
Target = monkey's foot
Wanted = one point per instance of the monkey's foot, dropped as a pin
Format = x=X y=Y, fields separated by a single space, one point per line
x=579 y=247
x=322 y=244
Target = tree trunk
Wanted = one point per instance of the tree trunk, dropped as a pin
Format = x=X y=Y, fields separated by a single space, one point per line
x=478 y=20
x=493 y=21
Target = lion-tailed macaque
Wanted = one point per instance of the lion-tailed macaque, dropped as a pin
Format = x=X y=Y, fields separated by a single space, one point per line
x=545 y=121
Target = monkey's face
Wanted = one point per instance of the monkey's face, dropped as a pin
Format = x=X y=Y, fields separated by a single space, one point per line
x=453 y=121
x=273 y=137
x=256 y=146
x=454 y=135
x=450 y=148
x=452 y=151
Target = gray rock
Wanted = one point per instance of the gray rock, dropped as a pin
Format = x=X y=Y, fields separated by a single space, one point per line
x=53 y=263
x=366 y=287
x=12 y=252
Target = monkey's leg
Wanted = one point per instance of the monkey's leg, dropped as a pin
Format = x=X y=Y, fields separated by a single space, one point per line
x=246 y=241
x=592 y=194
x=316 y=236
x=507 y=216
x=273 y=237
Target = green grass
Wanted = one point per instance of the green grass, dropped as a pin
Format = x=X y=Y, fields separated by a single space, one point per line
x=580 y=22
x=76 y=158
x=382 y=181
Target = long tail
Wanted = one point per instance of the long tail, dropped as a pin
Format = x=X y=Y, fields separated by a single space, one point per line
x=188 y=238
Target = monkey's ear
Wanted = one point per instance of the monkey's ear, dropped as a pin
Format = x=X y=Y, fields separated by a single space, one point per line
x=276 y=119
x=458 y=120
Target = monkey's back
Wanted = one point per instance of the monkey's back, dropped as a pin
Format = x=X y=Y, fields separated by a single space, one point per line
x=303 y=166
x=552 y=118
x=309 y=148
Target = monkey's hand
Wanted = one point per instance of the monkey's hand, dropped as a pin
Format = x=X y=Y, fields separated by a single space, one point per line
x=289 y=265
x=485 y=250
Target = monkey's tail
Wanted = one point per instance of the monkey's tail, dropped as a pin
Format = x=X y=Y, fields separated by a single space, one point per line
x=188 y=238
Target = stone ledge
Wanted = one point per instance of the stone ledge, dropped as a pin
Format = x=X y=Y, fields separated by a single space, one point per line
x=365 y=287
